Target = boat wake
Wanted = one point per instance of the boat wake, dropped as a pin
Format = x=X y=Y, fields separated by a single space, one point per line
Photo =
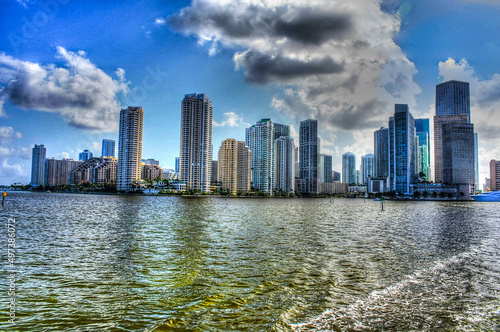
x=462 y=293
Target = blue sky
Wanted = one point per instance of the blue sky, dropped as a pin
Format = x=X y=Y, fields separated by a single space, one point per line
x=66 y=68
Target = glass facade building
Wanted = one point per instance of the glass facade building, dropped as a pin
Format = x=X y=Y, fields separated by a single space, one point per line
x=309 y=155
x=349 y=168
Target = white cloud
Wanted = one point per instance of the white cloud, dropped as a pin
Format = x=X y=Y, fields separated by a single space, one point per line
x=8 y=133
x=12 y=171
x=160 y=21
x=231 y=119
x=81 y=93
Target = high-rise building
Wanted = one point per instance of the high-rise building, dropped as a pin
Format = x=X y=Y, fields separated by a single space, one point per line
x=458 y=153
x=423 y=150
x=57 y=171
x=130 y=147
x=284 y=164
x=402 y=150
x=85 y=155
x=196 y=142
x=234 y=166
x=215 y=171
x=476 y=160
x=108 y=148
x=381 y=155
x=325 y=168
x=349 y=168
x=38 y=165
x=367 y=165
x=453 y=98
x=176 y=168
x=297 y=163
x=495 y=175
x=260 y=139
x=309 y=155
x=452 y=106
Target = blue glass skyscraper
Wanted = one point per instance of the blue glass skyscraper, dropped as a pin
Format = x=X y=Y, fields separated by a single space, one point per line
x=423 y=149
x=309 y=155
x=453 y=98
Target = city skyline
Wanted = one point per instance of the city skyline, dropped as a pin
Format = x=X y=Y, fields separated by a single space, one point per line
x=288 y=92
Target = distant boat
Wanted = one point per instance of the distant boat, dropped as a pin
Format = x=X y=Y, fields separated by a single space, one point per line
x=492 y=196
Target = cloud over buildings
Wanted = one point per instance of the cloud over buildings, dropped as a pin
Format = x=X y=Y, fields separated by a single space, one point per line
x=84 y=95
x=338 y=58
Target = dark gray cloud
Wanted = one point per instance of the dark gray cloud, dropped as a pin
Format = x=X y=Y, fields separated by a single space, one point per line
x=298 y=24
x=262 y=68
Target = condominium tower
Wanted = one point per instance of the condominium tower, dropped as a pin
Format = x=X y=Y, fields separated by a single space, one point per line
x=423 y=149
x=130 y=147
x=234 y=166
x=195 y=163
x=309 y=155
x=367 y=171
x=381 y=155
x=349 y=168
x=38 y=165
x=495 y=174
x=284 y=164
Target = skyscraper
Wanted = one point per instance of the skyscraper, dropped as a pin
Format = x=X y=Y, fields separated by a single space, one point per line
x=424 y=152
x=495 y=175
x=38 y=165
x=284 y=164
x=57 y=171
x=309 y=153
x=452 y=106
x=458 y=153
x=85 y=155
x=130 y=147
x=260 y=139
x=234 y=166
x=325 y=168
x=453 y=98
x=349 y=168
x=402 y=149
x=367 y=162
x=196 y=142
x=108 y=148
x=381 y=155
x=176 y=168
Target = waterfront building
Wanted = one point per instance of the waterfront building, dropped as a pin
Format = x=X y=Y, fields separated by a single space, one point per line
x=260 y=140
x=367 y=165
x=297 y=163
x=423 y=148
x=309 y=153
x=151 y=172
x=130 y=147
x=39 y=153
x=195 y=164
x=452 y=106
x=494 y=175
x=458 y=153
x=99 y=170
x=453 y=98
x=349 y=168
x=334 y=188
x=381 y=153
x=85 y=155
x=325 y=168
x=215 y=171
x=57 y=171
x=176 y=168
x=476 y=161
x=284 y=164
x=169 y=174
x=402 y=150
x=234 y=166
x=440 y=191
x=108 y=148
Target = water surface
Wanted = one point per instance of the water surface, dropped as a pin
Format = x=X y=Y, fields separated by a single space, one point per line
x=133 y=263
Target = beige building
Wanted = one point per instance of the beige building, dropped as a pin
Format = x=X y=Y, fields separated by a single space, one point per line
x=234 y=166
x=151 y=172
x=130 y=147
x=96 y=170
x=57 y=171
x=495 y=174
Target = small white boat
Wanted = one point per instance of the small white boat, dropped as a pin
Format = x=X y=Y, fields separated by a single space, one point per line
x=492 y=196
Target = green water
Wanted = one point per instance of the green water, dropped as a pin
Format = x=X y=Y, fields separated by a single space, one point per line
x=130 y=263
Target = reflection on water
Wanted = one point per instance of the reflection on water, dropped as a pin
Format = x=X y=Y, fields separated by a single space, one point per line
x=130 y=263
